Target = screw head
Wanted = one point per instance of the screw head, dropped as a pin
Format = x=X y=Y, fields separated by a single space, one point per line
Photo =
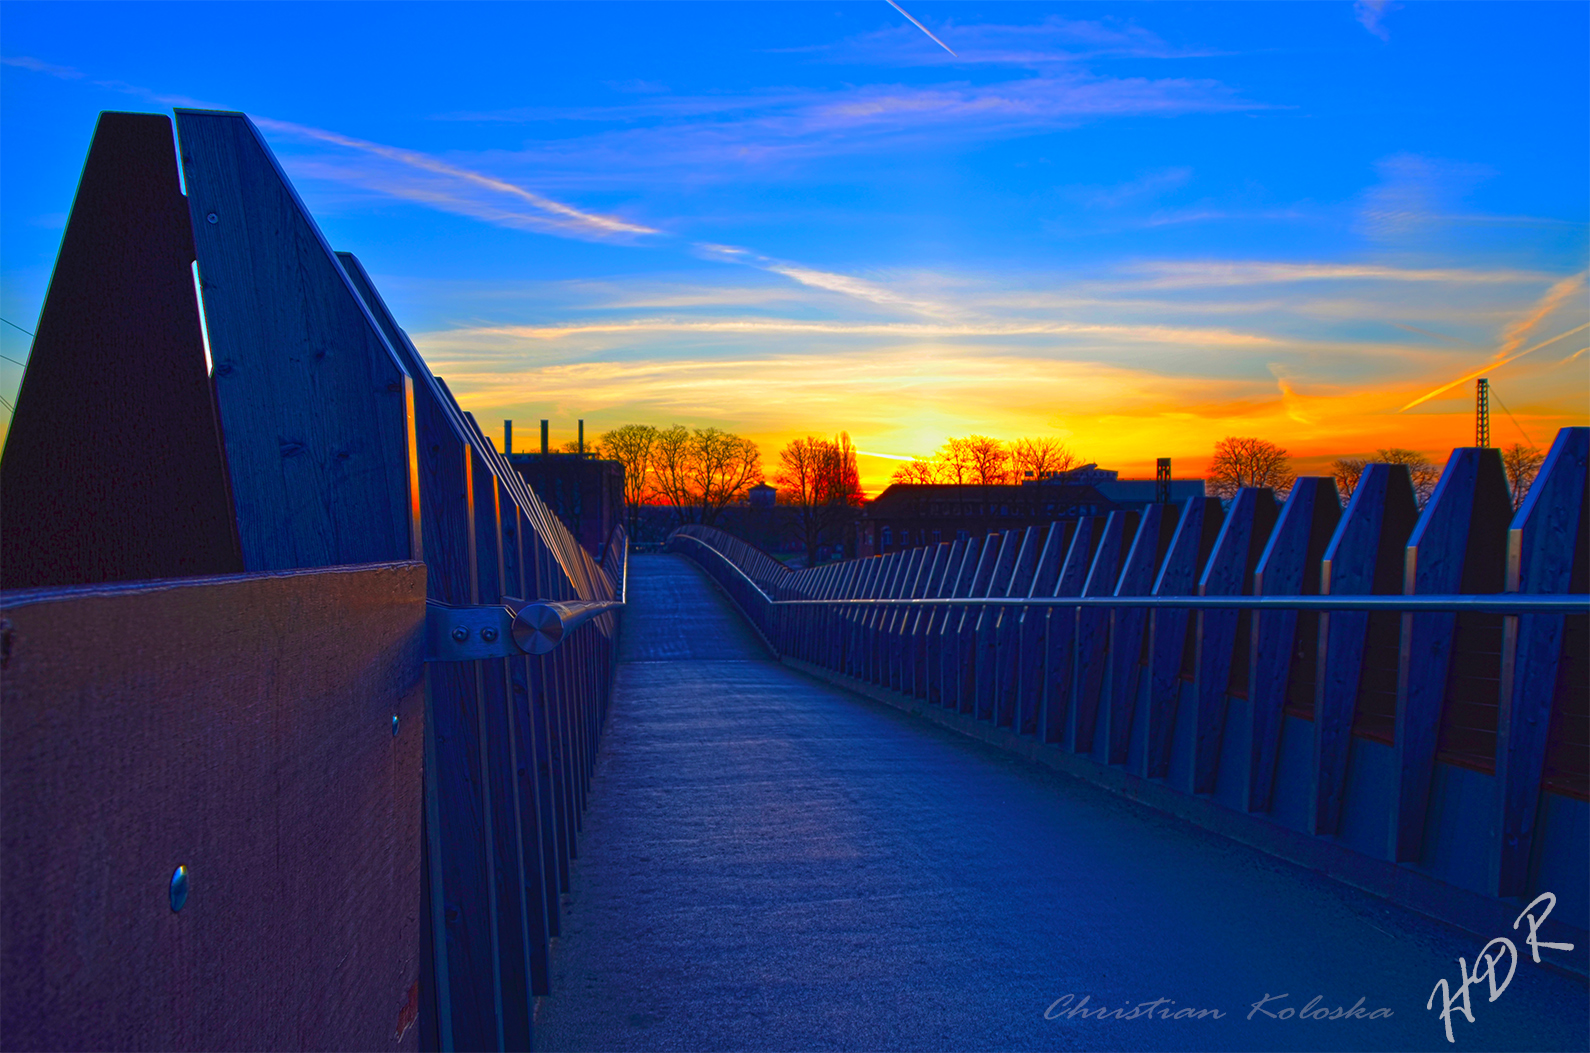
x=488 y=634
x=394 y=725
x=460 y=634
x=179 y=888
x=213 y=218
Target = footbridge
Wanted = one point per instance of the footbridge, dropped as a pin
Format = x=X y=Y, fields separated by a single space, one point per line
x=318 y=729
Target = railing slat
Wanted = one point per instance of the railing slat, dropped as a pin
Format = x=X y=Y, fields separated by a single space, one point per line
x=1289 y=566
x=1458 y=543
x=1228 y=573
x=1548 y=545
x=1364 y=557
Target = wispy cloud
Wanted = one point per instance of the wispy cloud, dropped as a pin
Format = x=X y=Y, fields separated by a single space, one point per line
x=557 y=213
x=1371 y=14
x=1049 y=42
x=30 y=63
x=1191 y=273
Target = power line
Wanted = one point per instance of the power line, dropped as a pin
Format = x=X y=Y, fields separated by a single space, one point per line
x=14 y=325
x=19 y=362
x=1512 y=418
x=8 y=405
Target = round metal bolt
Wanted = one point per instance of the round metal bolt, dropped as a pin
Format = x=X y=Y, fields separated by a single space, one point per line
x=488 y=634
x=213 y=218
x=179 y=888
x=460 y=634
x=394 y=725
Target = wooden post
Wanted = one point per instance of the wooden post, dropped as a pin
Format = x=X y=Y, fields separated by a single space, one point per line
x=1033 y=625
x=1548 y=550
x=1229 y=573
x=1458 y=545
x=1363 y=557
x=1168 y=630
x=113 y=466
x=1148 y=550
x=1059 y=663
x=1279 y=650
x=1093 y=628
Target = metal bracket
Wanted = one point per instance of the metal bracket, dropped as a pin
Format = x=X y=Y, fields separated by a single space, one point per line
x=506 y=630
x=465 y=634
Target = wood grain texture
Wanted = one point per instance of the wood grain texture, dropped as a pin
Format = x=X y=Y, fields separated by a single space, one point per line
x=244 y=730
x=311 y=396
x=1059 y=664
x=963 y=552
x=965 y=656
x=1229 y=573
x=1093 y=628
x=1458 y=545
x=1364 y=557
x=113 y=469
x=1548 y=546
x=1288 y=566
x=1196 y=531
x=1007 y=644
x=1034 y=625
x=986 y=638
x=1127 y=624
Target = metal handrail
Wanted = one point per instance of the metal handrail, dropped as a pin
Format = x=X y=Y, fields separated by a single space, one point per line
x=1489 y=603
x=1495 y=603
x=748 y=579
x=540 y=627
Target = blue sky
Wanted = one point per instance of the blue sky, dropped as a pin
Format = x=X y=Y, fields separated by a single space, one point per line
x=1139 y=227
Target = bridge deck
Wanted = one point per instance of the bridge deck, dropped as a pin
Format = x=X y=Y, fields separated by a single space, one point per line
x=774 y=864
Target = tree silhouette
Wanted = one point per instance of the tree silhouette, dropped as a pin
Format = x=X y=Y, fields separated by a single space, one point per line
x=1521 y=462
x=1246 y=461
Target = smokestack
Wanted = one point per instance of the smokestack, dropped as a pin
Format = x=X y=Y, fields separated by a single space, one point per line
x=543 y=438
x=507 y=437
x=582 y=438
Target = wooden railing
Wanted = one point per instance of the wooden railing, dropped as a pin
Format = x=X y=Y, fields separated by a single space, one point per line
x=320 y=439
x=1407 y=685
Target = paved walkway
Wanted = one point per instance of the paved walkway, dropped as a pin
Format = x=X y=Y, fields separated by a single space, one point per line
x=774 y=864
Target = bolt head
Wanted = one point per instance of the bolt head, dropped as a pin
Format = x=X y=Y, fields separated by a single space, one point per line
x=213 y=218
x=488 y=634
x=460 y=634
x=179 y=888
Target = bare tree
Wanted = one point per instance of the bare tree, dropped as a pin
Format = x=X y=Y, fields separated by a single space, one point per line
x=722 y=467
x=630 y=445
x=1042 y=457
x=954 y=461
x=988 y=458
x=1347 y=471
x=1521 y=463
x=919 y=471
x=670 y=462
x=799 y=477
x=1246 y=461
x=1425 y=473
x=820 y=479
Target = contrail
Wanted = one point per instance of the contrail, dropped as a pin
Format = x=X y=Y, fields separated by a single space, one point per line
x=920 y=26
x=415 y=159
x=1489 y=366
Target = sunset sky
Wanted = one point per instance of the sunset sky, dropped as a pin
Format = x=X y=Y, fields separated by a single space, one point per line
x=1139 y=227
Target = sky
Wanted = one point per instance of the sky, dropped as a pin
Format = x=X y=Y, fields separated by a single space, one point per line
x=1135 y=227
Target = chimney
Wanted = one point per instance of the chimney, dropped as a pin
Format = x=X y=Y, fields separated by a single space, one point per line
x=543 y=438
x=507 y=437
x=582 y=438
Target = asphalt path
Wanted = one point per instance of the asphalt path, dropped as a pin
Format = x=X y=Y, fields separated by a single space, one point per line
x=772 y=863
